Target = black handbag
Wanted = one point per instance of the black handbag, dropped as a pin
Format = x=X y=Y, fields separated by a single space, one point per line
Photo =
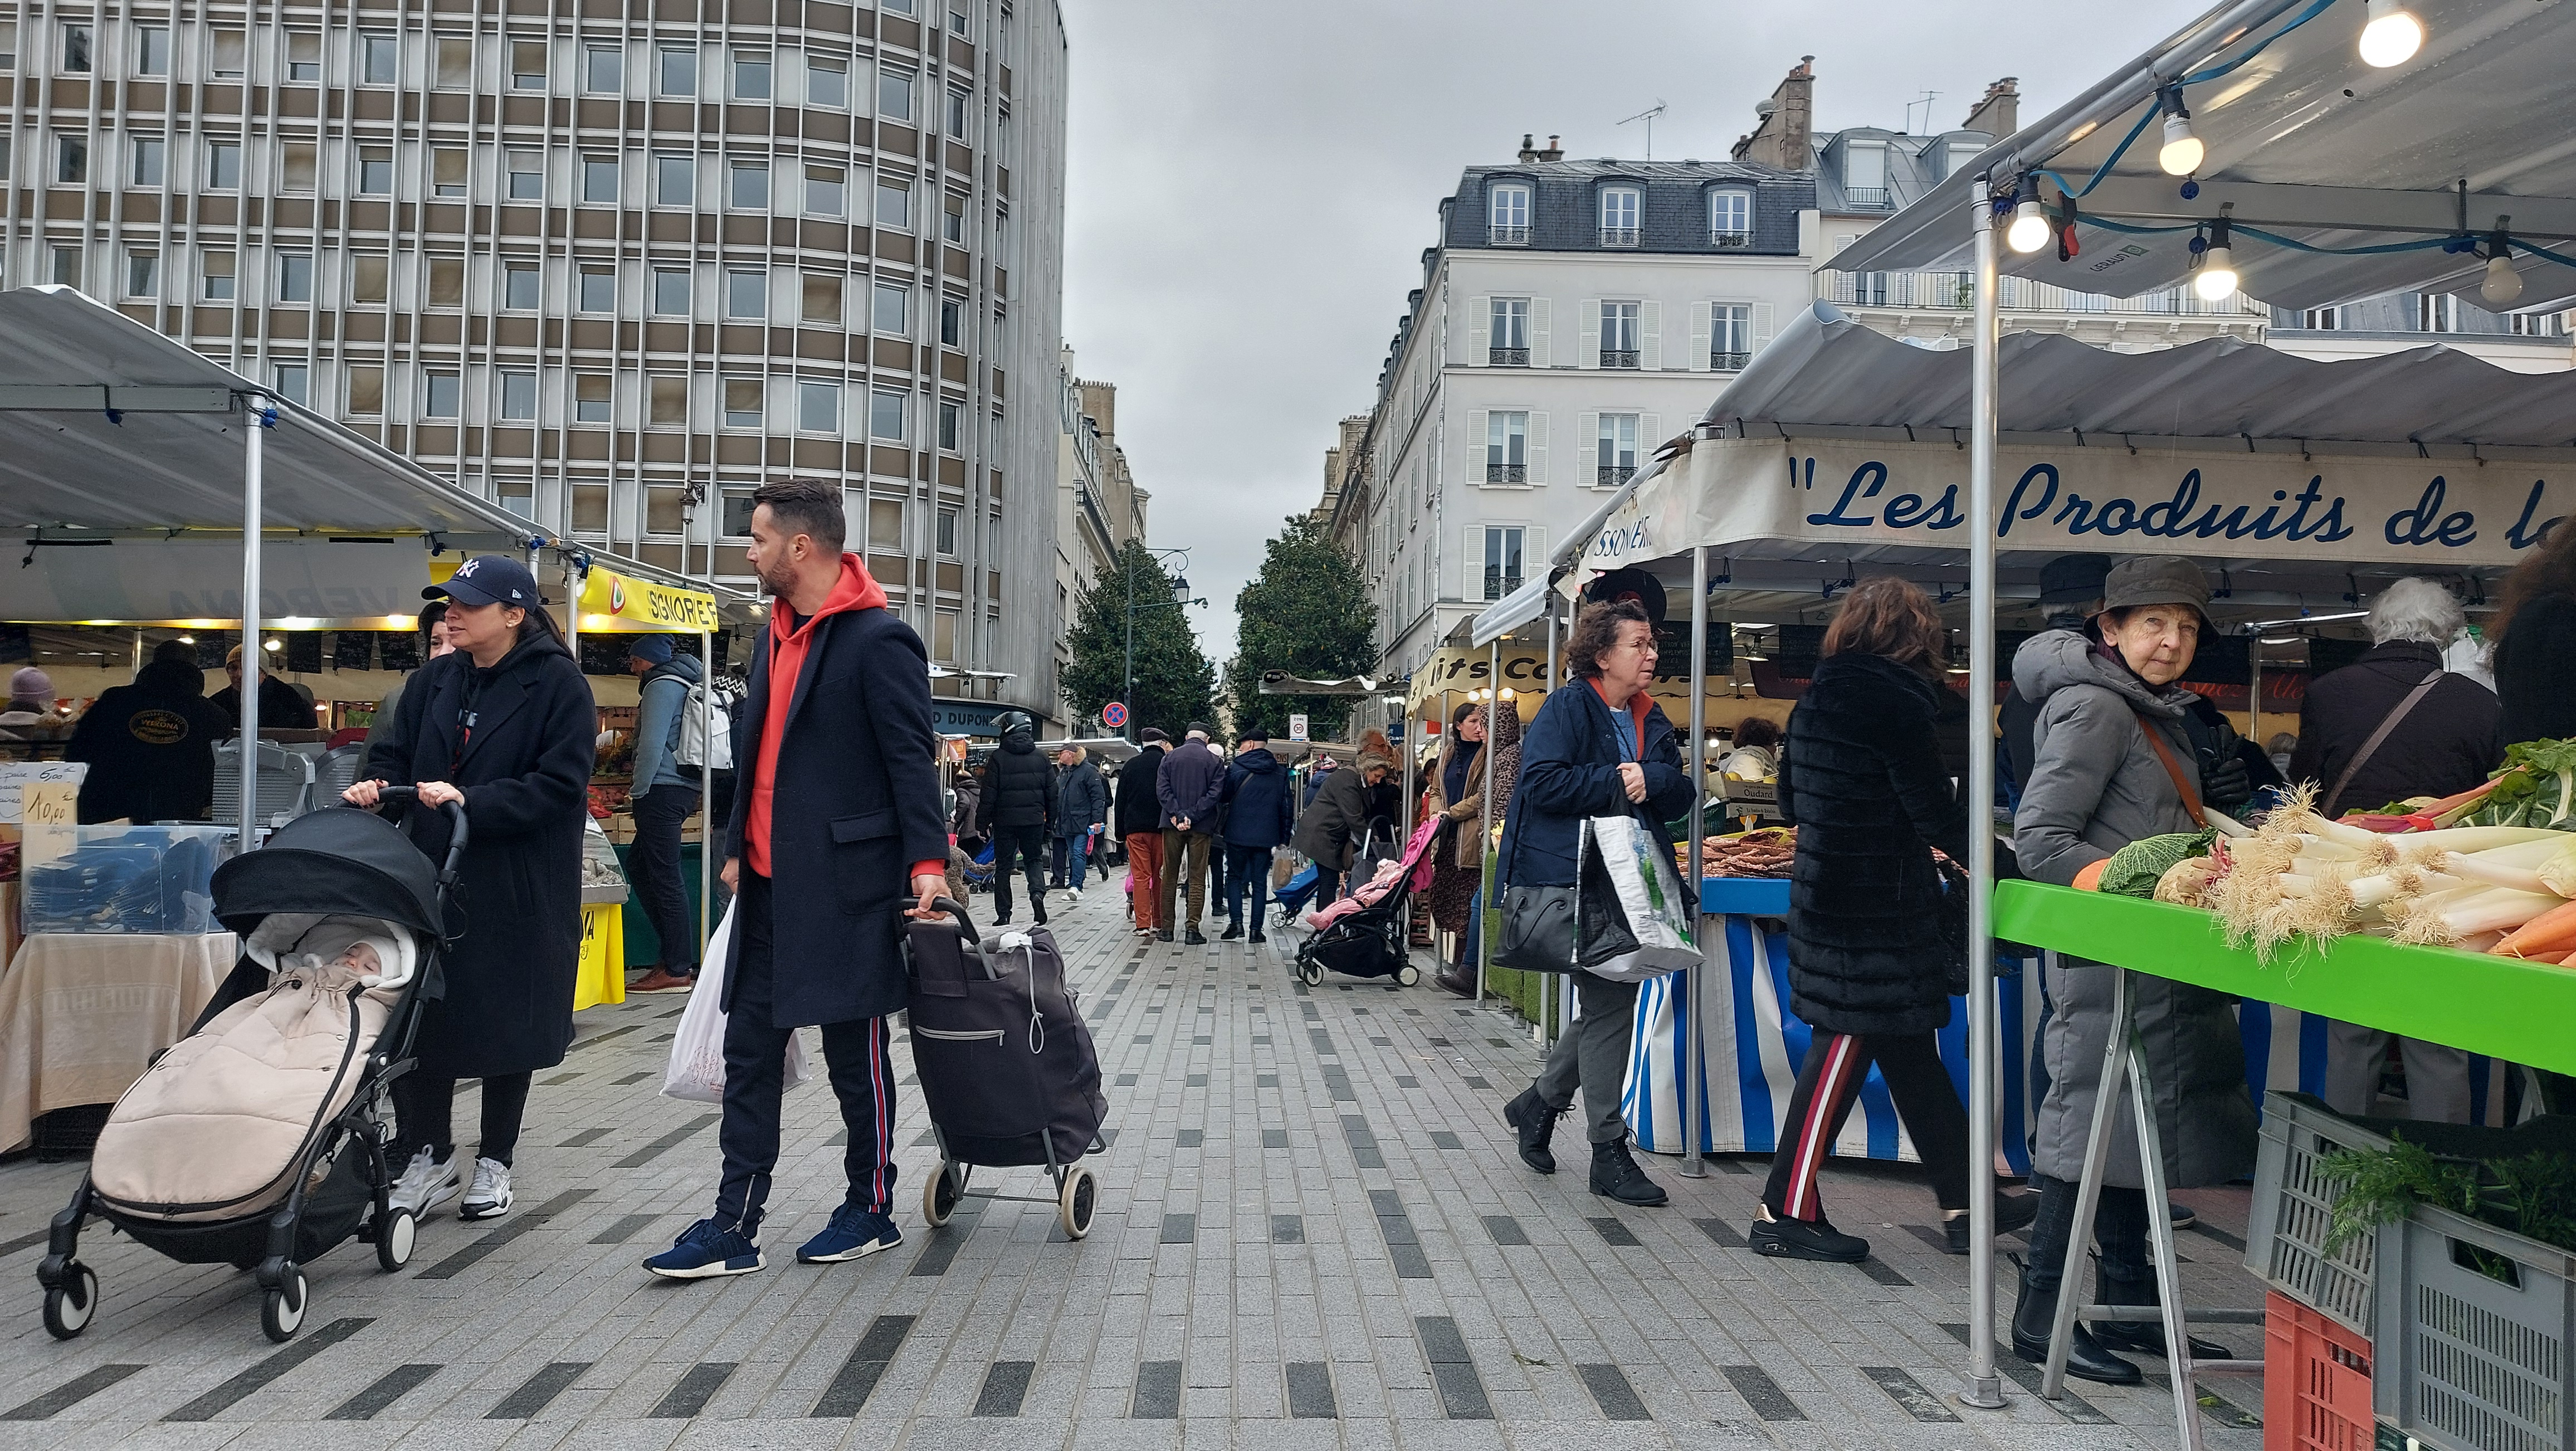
x=1538 y=930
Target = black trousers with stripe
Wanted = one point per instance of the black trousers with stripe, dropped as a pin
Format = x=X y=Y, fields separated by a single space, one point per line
x=1830 y=1079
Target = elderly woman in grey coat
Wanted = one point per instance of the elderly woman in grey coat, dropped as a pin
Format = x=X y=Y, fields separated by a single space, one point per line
x=2118 y=757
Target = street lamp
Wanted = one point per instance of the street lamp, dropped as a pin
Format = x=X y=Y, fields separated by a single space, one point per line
x=1180 y=597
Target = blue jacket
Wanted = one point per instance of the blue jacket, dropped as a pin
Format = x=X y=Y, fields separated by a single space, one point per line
x=1257 y=785
x=1570 y=770
x=657 y=723
x=1190 y=784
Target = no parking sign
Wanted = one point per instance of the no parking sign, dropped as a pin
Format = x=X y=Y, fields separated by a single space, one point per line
x=1114 y=715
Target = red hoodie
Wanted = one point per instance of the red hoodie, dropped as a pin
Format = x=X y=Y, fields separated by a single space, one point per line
x=788 y=642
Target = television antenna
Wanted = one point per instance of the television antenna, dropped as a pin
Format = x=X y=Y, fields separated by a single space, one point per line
x=1648 y=116
x=1925 y=101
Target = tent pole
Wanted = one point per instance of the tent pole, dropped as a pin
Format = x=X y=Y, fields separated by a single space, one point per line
x=254 y=434
x=1694 y=763
x=1551 y=988
x=1493 y=808
x=572 y=607
x=1985 y=1387
x=707 y=794
x=2254 y=689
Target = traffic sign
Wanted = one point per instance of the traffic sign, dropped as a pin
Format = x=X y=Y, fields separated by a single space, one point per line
x=1296 y=727
x=1113 y=715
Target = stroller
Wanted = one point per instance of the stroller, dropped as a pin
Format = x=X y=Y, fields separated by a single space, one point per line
x=256 y=1140
x=1364 y=935
x=979 y=868
x=1292 y=898
x=1006 y=1064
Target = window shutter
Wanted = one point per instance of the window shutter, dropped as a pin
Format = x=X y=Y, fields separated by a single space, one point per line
x=1476 y=445
x=1479 y=322
x=1650 y=340
x=1587 y=449
x=1472 y=587
x=1761 y=327
x=1702 y=324
x=1650 y=436
x=1539 y=355
x=1537 y=447
x=1590 y=357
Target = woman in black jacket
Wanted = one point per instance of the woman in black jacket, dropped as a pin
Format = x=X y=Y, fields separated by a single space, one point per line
x=1863 y=778
x=2535 y=643
x=1597 y=748
x=505 y=724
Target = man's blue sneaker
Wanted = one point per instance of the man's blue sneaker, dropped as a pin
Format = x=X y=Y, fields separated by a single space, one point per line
x=705 y=1250
x=854 y=1233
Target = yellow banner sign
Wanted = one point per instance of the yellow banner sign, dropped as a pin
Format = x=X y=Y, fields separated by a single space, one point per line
x=618 y=602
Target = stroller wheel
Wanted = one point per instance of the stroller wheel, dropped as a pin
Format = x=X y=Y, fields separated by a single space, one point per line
x=939 y=1196
x=395 y=1235
x=1408 y=975
x=72 y=1304
x=1076 y=1201
x=1310 y=973
x=281 y=1311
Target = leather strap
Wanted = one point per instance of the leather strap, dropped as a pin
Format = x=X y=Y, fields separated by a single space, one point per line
x=2189 y=788
x=2352 y=767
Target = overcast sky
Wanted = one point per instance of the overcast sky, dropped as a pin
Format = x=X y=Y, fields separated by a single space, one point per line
x=1251 y=185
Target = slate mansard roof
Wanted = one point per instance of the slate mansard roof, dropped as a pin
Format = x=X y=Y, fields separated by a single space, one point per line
x=1565 y=211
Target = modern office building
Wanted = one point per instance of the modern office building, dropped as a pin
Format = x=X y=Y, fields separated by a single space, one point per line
x=611 y=265
x=1099 y=509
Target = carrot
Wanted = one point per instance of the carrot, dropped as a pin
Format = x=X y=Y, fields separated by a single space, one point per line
x=2554 y=959
x=2090 y=878
x=2551 y=931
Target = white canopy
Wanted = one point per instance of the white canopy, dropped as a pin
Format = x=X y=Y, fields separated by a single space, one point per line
x=2306 y=147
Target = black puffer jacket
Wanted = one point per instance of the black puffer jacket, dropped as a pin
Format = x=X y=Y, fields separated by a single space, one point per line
x=1863 y=778
x=1018 y=785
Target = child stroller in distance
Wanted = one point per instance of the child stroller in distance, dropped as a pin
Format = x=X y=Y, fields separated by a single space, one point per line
x=257 y=1141
x=1006 y=1064
x=1364 y=934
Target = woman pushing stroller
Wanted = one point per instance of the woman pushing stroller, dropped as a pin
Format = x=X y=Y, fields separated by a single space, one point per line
x=505 y=725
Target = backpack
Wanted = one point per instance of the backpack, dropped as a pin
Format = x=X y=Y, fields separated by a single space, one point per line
x=690 y=745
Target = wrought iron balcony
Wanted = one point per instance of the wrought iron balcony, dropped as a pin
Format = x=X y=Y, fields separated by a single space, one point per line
x=1618 y=236
x=1499 y=584
x=1612 y=476
x=1507 y=357
x=1618 y=357
x=1865 y=196
x=1499 y=235
x=1729 y=362
x=1506 y=473
x=1730 y=239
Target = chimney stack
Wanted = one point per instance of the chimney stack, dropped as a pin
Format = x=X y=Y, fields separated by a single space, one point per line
x=1784 y=136
x=1529 y=153
x=1553 y=152
x=1999 y=113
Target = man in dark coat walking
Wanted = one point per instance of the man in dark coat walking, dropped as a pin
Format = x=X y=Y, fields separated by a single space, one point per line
x=840 y=811
x=1018 y=812
x=1140 y=824
x=1257 y=820
x=1081 y=810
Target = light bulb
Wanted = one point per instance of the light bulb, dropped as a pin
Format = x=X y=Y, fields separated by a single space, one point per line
x=2216 y=279
x=2503 y=284
x=2392 y=36
x=2029 y=230
x=2182 y=150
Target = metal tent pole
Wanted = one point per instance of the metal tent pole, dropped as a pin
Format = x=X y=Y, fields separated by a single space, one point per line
x=1551 y=988
x=256 y=420
x=1493 y=713
x=2254 y=689
x=1694 y=1077
x=1985 y=1387
x=572 y=607
x=706 y=792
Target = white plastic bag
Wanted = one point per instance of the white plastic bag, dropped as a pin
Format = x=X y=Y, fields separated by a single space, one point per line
x=697 y=1068
x=1641 y=872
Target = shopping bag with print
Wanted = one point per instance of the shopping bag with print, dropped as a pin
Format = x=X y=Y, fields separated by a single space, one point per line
x=1628 y=876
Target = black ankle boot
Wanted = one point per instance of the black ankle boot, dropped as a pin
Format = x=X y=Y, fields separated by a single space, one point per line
x=1616 y=1176
x=1534 y=1123
x=2035 y=1314
x=2140 y=1337
x=1455 y=978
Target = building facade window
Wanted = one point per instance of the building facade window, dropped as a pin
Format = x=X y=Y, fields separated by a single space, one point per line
x=453 y=65
x=1502 y=560
x=603 y=70
x=295 y=277
x=379 y=60
x=447 y=170
x=152 y=50
x=71 y=159
x=827 y=82
x=528 y=65
x=1507 y=215
x=886 y=412
x=2322 y=319
x=952 y=416
x=67 y=266
x=818 y=406
x=675 y=70
x=747 y=185
x=746 y=293
x=299 y=166
x=960 y=107
x=142 y=273
x=743 y=404
x=1619 y=334
x=303 y=55
x=894 y=95
x=76 y=50
x=1730 y=336
x=1730 y=219
x=527 y=176
x=443 y=395
x=366 y=390
x=670 y=292
x=149 y=153
x=952 y=321
x=447 y=282
x=217 y=276
x=675 y=181
x=375 y=171
x=891 y=310
x=518 y=397
x=370 y=277
x=293 y=382
x=1621 y=208
x=1865 y=173
x=599 y=179
x=520 y=286
x=592 y=395
x=1507 y=344
x=1506 y=447
x=947 y=541
x=751 y=79
x=1615 y=459
x=825 y=189
x=598 y=289
x=667 y=406
x=2437 y=313
x=894 y=203
x=822 y=298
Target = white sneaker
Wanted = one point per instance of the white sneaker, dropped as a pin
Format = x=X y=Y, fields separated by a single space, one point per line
x=490 y=1196
x=426 y=1183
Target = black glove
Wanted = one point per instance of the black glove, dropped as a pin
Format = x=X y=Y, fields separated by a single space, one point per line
x=2224 y=785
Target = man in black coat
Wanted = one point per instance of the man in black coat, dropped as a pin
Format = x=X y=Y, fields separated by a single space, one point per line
x=151 y=745
x=280 y=708
x=1019 y=813
x=839 y=808
x=1140 y=824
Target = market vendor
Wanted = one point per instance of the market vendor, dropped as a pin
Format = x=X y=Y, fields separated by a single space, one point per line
x=2113 y=761
x=280 y=707
x=150 y=745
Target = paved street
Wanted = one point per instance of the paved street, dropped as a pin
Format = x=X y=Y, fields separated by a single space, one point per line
x=1312 y=1233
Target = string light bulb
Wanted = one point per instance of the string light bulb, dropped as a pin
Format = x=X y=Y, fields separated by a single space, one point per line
x=2182 y=152
x=2391 y=36
x=2030 y=229
x=2215 y=279
x=2503 y=284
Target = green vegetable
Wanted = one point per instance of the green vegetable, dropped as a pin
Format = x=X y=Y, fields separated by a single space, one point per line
x=2532 y=1195
x=2134 y=869
x=2537 y=787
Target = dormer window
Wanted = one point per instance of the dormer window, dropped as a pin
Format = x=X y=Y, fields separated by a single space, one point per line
x=1730 y=219
x=1865 y=173
x=1621 y=207
x=1507 y=215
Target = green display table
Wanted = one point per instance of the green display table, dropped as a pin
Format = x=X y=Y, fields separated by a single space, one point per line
x=2515 y=1011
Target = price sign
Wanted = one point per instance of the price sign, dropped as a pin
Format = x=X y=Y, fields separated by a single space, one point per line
x=1114 y=715
x=1297 y=728
x=47 y=811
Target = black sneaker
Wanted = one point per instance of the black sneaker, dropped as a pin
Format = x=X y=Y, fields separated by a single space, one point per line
x=1802 y=1239
x=1195 y=939
x=2013 y=1212
x=1233 y=932
x=1257 y=936
x=1616 y=1176
x=1163 y=936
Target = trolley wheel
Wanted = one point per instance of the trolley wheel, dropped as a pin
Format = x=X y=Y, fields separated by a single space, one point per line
x=1407 y=975
x=396 y=1232
x=281 y=1311
x=1076 y=1200
x=940 y=1195
x=72 y=1304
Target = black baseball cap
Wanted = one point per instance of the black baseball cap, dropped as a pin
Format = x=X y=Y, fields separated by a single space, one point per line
x=488 y=579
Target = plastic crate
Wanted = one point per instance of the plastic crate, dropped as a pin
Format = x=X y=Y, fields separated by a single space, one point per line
x=2316 y=1381
x=2286 y=1232
x=2468 y=1361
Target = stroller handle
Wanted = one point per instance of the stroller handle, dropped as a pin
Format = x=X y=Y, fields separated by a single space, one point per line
x=454 y=811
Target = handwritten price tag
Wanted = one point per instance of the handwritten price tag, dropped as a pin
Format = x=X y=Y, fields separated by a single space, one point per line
x=49 y=803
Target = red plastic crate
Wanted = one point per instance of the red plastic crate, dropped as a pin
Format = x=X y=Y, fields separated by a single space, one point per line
x=2316 y=1381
